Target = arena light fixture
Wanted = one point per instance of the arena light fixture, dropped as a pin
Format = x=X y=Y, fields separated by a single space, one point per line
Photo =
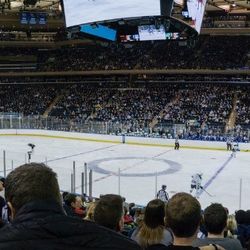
x=16 y=4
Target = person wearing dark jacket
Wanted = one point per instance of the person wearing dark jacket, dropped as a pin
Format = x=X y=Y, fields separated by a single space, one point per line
x=39 y=221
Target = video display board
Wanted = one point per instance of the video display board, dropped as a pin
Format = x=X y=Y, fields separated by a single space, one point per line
x=88 y=11
x=99 y=31
x=150 y=32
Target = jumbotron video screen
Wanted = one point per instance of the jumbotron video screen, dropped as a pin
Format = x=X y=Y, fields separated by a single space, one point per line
x=87 y=11
x=78 y=12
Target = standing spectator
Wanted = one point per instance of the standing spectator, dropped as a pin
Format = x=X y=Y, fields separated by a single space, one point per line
x=162 y=194
x=38 y=219
x=215 y=220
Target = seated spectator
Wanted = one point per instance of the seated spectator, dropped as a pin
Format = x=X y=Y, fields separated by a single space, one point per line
x=243 y=227
x=129 y=224
x=109 y=212
x=215 y=220
x=38 y=219
x=183 y=216
x=152 y=230
x=231 y=227
x=73 y=205
x=2 y=201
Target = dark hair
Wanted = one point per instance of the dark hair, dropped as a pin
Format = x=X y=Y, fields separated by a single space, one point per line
x=31 y=182
x=64 y=194
x=183 y=214
x=247 y=217
x=151 y=230
x=69 y=198
x=2 y=179
x=240 y=216
x=154 y=213
x=109 y=211
x=215 y=218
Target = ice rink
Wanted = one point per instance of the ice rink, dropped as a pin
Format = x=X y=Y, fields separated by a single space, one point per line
x=138 y=167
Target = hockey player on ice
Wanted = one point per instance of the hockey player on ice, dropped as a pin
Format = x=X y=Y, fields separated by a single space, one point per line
x=235 y=148
x=162 y=194
x=196 y=184
x=31 y=151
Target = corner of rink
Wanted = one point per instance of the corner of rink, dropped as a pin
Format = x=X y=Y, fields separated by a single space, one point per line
x=139 y=141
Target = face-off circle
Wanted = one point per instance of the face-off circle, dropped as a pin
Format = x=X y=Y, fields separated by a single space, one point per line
x=172 y=166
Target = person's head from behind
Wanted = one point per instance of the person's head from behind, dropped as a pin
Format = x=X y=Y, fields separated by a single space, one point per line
x=240 y=216
x=164 y=187
x=109 y=212
x=154 y=213
x=215 y=218
x=30 y=183
x=183 y=215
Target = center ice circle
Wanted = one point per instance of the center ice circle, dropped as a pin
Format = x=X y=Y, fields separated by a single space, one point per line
x=169 y=167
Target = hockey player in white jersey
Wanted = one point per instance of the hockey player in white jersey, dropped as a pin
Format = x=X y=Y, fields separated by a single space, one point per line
x=196 y=184
x=235 y=148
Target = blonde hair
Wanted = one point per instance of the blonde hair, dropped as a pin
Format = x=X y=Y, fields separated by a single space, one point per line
x=150 y=236
x=90 y=211
x=152 y=228
x=231 y=226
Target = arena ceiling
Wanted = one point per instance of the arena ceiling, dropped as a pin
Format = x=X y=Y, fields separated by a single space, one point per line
x=231 y=6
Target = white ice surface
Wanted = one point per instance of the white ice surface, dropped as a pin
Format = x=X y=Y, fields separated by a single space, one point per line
x=60 y=154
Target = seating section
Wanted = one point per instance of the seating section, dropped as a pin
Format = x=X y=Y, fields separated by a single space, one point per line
x=199 y=111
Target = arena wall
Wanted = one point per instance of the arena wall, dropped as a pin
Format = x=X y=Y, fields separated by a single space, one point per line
x=158 y=142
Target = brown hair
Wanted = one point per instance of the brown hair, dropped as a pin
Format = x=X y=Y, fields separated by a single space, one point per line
x=152 y=228
x=31 y=182
x=183 y=214
x=109 y=211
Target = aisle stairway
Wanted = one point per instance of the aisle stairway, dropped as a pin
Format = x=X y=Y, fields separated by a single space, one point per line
x=232 y=117
x=155 y=120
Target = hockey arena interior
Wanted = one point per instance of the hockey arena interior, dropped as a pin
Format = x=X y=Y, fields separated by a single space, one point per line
x=125 y=124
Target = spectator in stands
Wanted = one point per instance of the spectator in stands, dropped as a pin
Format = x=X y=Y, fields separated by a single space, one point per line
x=243 y=228
x=152 y=230
x=183 y=216
x=73 y=205
x=39 y=222
x=90 y=211
x=109 y=212
x=231 y=227
x=215 y=220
